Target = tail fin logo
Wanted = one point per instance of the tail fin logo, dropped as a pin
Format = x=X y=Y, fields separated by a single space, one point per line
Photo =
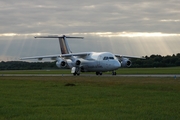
x=64 y=46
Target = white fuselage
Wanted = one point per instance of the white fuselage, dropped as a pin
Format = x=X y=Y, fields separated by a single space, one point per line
x=97 y=62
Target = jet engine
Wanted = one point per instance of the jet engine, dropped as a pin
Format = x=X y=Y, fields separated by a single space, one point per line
x=61 y=63
x=77 y=62
x=126 y=62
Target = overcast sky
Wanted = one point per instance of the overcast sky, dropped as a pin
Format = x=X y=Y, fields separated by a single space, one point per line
x=133 y=27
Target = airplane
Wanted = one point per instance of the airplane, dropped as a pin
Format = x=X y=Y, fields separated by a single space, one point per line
x=97 y=62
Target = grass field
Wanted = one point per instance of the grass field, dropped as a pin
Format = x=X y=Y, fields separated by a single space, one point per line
x=169 y=70
x=106 y=98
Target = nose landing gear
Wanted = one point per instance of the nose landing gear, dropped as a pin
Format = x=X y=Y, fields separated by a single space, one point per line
x=75 y=71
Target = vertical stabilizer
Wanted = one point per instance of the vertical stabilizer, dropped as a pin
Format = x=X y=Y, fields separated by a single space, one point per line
x=64 y=47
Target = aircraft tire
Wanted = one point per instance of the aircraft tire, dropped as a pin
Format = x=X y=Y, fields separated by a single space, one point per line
x=113 y=73
x=98 y=73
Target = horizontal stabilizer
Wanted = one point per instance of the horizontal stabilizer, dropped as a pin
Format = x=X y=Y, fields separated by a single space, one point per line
x=56 y=36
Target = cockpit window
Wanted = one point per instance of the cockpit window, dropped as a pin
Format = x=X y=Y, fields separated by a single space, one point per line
x=105 y=58
x=111 y=58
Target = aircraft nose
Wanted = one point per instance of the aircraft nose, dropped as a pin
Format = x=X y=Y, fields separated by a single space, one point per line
x=117 y=65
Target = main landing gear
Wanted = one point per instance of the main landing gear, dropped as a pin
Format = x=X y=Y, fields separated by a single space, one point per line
x=113 y=72
x=76 y=74
x=98 y=73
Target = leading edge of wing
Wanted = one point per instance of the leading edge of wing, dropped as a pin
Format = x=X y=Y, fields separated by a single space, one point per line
x=126 y=56
x=53 y=57
x=82 y=54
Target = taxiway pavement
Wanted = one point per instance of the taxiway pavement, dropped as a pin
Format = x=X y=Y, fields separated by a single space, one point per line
x=105 y=75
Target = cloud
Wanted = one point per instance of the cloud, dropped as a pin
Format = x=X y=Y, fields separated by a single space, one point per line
x=169 y=20
x=103 y=20
x=82 y=16
x=128 y=34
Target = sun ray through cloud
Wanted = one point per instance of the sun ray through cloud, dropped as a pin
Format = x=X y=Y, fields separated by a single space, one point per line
x=126 y=27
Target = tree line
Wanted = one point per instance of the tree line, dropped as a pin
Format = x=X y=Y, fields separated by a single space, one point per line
x=21 y=65
x=157 y=61
x=151 y=61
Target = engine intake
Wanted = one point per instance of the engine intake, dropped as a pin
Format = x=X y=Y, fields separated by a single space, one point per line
x=126 y=62
x=61 y=63
x=78 y=62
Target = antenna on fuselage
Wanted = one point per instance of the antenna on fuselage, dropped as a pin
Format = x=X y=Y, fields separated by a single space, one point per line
x=64 y=47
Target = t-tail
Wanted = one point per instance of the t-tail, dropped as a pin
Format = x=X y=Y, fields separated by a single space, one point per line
x=64 y=47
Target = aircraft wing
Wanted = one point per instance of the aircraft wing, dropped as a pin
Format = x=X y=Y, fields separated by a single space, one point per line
x=53 y=57
x=126 y=56
x=81 y=55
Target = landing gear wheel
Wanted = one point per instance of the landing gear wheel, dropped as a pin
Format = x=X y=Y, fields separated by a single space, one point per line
x=113 y=73
x=98 y=73
x=76 y=74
